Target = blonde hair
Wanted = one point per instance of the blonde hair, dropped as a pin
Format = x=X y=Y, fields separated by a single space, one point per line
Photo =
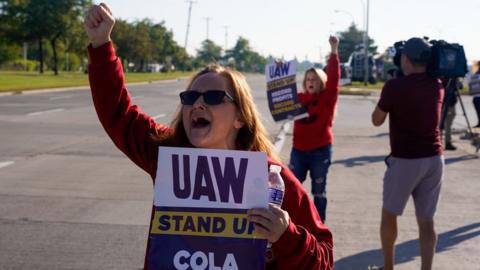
x=251 y=137
x=320 y=74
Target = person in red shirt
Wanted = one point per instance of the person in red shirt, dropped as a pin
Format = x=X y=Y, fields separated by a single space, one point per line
x=313 y=136
x=217 y=112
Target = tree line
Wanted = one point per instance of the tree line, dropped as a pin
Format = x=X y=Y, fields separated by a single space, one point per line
x=51 y=34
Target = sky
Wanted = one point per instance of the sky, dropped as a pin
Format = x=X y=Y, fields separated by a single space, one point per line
x=300 y=28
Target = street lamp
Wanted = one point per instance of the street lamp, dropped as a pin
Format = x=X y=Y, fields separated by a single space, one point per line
x=207 y=19
x=346 y=12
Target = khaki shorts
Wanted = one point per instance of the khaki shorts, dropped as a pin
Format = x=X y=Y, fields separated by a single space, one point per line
x=421 y=178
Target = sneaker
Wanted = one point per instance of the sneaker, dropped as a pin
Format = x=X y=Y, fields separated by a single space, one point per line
x=450 y=146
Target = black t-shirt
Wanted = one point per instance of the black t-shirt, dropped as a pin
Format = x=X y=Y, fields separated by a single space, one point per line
x=414 y=103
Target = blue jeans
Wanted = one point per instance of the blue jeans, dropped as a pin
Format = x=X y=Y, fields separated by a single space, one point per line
x=317 y=162
x=476 y=104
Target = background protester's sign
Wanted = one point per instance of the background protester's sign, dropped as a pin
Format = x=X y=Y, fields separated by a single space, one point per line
x=282 y=91
x=474 y=84
x=201 y=200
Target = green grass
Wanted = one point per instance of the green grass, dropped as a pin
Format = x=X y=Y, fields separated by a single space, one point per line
x=20 y=81
x=378 y=85
x=357 y=88
x=349 y=91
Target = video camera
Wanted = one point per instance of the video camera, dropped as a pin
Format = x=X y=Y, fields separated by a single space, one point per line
x=446 y=60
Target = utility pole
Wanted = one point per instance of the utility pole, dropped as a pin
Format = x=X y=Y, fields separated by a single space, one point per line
x=365 y=44
x=346 y=12
x=191 y=2
x=207 y=20
x=226 y=37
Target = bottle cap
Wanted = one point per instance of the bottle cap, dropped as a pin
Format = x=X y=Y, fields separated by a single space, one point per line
x=275 y=168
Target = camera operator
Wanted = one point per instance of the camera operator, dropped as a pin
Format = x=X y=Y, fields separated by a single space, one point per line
x=415 y=165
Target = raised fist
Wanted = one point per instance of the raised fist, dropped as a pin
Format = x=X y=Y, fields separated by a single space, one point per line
x=333 y=40
x=99 y=24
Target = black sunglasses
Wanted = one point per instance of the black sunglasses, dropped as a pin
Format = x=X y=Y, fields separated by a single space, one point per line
x=211 y=97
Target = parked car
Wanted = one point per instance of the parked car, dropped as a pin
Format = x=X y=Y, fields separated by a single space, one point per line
x=357 y=65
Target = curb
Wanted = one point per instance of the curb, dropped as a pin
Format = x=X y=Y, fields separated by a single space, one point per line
x=64 y=89
x=279 y=139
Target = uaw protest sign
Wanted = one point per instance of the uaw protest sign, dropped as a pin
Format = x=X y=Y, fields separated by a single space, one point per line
x=201 y=200
x=282 y=91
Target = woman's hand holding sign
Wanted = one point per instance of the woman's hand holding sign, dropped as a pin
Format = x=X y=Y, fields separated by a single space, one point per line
x=99 y=24
x=271 y=222
x=201 y=181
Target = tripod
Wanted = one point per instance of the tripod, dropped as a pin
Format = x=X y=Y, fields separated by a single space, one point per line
x=451 y=91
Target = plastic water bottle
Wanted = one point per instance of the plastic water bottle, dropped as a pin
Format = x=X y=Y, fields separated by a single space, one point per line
x=276 y=190
x=276 y=187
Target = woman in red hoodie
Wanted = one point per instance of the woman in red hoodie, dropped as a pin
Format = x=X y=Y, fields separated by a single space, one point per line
x=312 y=136
x=217 y=112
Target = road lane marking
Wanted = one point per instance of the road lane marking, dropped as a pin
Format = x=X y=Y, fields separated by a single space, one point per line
x=47 y=111
x=159 y=116
x=61 y=97
x=6 y=163
x=281 y=136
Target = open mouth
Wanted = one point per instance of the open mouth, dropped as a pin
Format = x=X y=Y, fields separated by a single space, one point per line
x=200 y=122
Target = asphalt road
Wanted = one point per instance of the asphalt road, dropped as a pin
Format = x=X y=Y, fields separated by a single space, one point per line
x=70 y=200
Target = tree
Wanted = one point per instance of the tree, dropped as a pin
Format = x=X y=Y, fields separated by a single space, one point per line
x=208 y=53
x=133 y=42
x=75 y=41
x=245 y=59
x=121 y=36
x=8 y=49
x=182 y=60
x=157 y=34
x=142 y=44
x=143 y=41
x=29 y=18
x=62 y=16
x=37 y=20
x=351 y=38
x=178 y=54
